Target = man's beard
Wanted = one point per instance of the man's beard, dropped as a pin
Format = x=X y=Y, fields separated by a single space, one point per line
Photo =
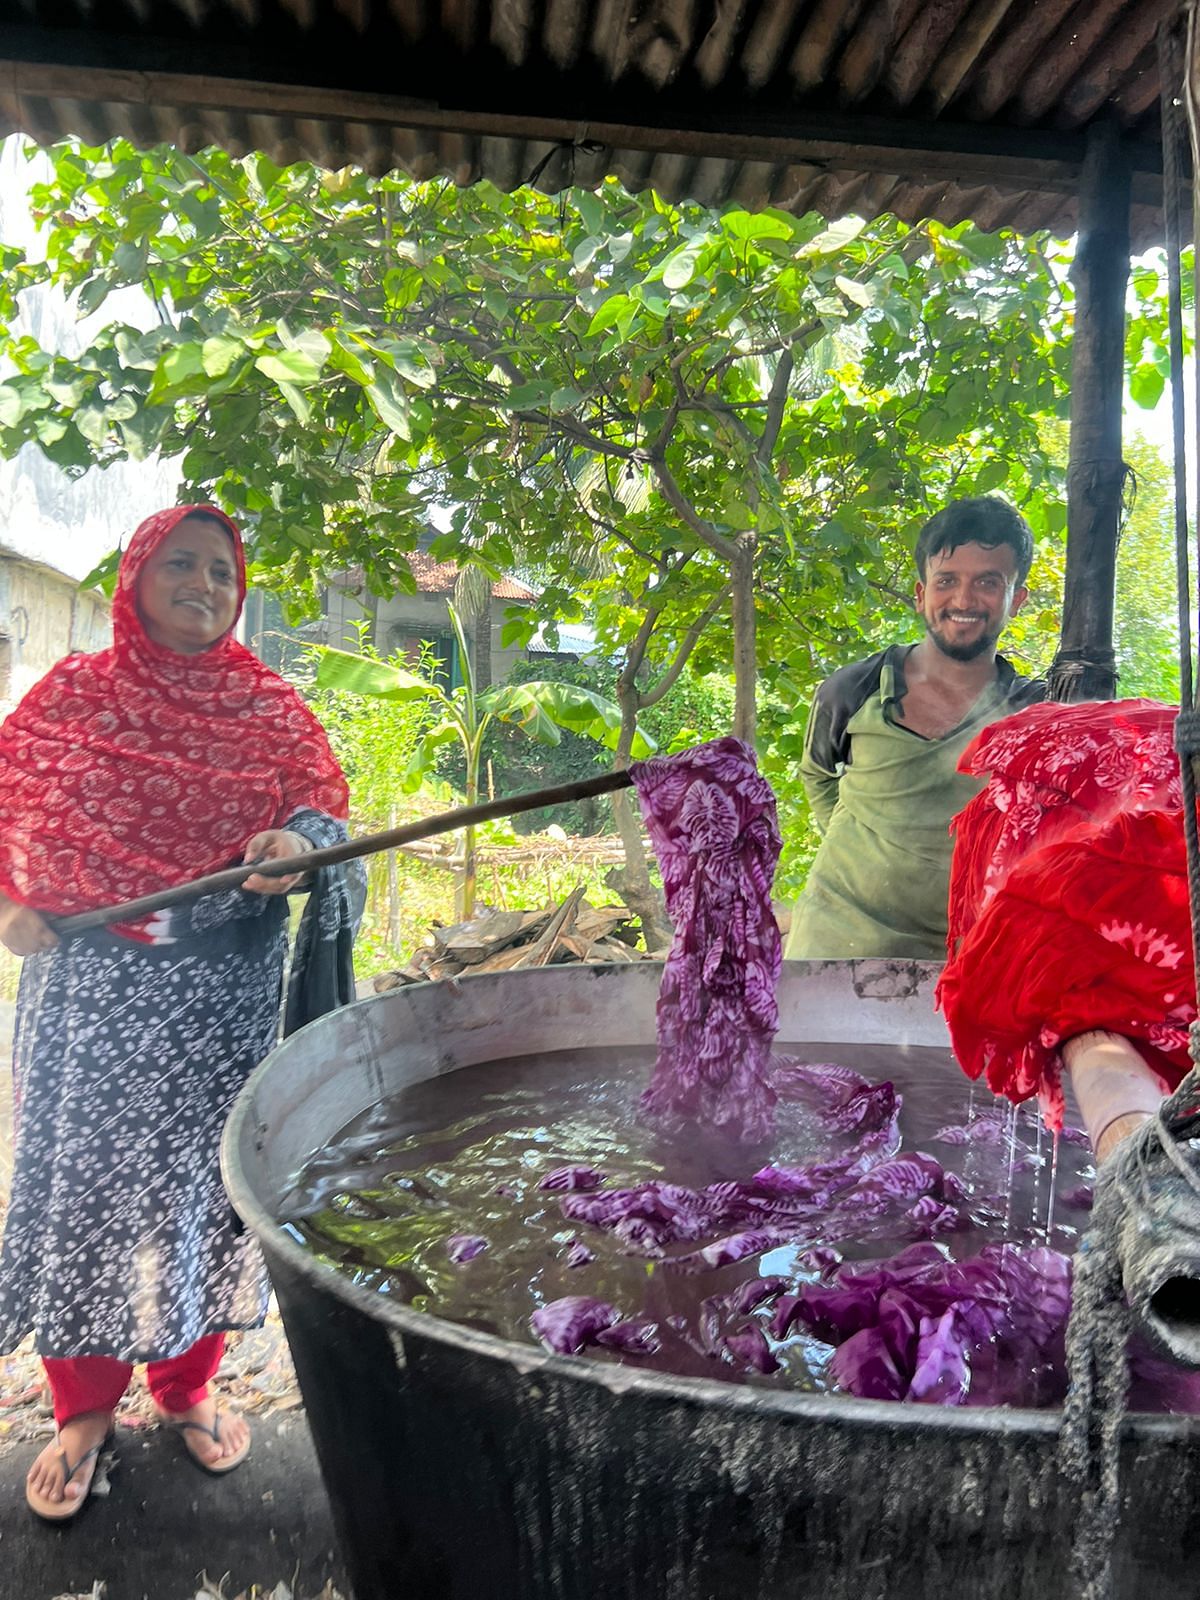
x=963 y=652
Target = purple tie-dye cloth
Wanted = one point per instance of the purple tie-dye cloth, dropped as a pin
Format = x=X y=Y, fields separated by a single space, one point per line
x=711 y=819
x=921 y=1326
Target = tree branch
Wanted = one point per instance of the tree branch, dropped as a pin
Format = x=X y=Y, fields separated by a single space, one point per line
x=690 y=639
x=635 y=654
x=675 y=497
x=776 y=401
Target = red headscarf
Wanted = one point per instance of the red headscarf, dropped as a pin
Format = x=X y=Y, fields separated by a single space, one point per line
x=137 y=768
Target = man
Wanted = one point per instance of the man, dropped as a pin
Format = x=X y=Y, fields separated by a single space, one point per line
x=884 y=737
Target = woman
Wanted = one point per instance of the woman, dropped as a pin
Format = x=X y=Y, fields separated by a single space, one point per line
x=168 y=756
x=1070 y=930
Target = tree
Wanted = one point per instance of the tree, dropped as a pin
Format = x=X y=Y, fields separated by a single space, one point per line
x=719 y=400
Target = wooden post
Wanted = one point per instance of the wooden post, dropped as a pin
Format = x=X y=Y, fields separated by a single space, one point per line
x=1084 y=667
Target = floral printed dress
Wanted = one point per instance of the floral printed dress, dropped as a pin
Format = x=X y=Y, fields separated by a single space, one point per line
x=1069 y=897
x=119 y=1239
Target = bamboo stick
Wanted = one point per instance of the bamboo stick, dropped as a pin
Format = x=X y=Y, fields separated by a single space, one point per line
x=442 y=822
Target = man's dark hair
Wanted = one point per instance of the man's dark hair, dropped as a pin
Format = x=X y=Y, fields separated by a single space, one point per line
x=985 y=519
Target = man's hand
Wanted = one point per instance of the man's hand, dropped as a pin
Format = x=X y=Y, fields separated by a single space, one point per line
x=276 y=844
x=22 y=930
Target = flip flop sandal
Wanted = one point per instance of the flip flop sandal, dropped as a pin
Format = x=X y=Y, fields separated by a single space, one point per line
x=64 y=1510
x=217 y=1469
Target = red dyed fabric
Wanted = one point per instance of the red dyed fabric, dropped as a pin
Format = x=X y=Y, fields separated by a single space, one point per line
x=1069 y=899
x=1051 y=768
x=137 y=768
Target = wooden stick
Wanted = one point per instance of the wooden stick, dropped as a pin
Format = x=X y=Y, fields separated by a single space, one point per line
x=371 y=844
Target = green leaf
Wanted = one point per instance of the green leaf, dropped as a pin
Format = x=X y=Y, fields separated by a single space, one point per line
x=176 y=367
x=835 y=237
x=542 y=708
x=341 y=669
x=1146 y=385
x=758 y=225
x=93 y=294
x=680 y=266
x=862 y=294
x=529 y=396
x=103 y=575
x=343 y=357
x=288 y=366
x=609 y=314
x=585 y=251
x=11 y=405
x=990 y=476
x=565 y=399
x=140 y=350
x=424 y=758
x=409 y=359
x=218 y=354
x=68 y=392
x=142 y=433
x=92 y=424
x=298 y=400
x=390 y=404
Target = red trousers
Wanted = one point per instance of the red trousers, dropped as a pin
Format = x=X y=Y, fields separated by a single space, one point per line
x=96 y=1383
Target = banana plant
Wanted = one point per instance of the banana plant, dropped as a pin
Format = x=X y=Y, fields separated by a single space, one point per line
x=464 y=715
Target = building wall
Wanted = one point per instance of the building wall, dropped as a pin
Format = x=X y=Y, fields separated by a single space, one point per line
x=416 y=616
x=43 y=617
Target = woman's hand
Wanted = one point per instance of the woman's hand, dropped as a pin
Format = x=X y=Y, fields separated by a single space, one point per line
x=276 y=844
x=22 y=930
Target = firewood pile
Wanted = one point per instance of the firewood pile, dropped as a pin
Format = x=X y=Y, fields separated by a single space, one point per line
x=510 y=941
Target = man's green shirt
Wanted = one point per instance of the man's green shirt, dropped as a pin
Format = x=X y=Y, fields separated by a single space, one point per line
x=882 y=797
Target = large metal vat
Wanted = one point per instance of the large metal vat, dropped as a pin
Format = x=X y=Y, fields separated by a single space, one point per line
x=464 y=1467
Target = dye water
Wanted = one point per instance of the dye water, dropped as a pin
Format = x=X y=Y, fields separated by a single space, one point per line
x=407 y=1191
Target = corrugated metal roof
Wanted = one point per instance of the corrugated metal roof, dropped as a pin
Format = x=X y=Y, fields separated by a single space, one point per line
x=944 y=108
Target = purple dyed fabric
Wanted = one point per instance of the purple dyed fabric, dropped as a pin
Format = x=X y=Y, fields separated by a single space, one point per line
x=567 y=1325
x=842 y=1098
x=869 y=1191
x=923 y=1327
x=462 y=1247
x=637 y=1336
x=711 y=819
x=749 y=1348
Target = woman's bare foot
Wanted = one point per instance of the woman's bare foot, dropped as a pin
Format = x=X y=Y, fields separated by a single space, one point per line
x=48 y=1488
x=216 y=1438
